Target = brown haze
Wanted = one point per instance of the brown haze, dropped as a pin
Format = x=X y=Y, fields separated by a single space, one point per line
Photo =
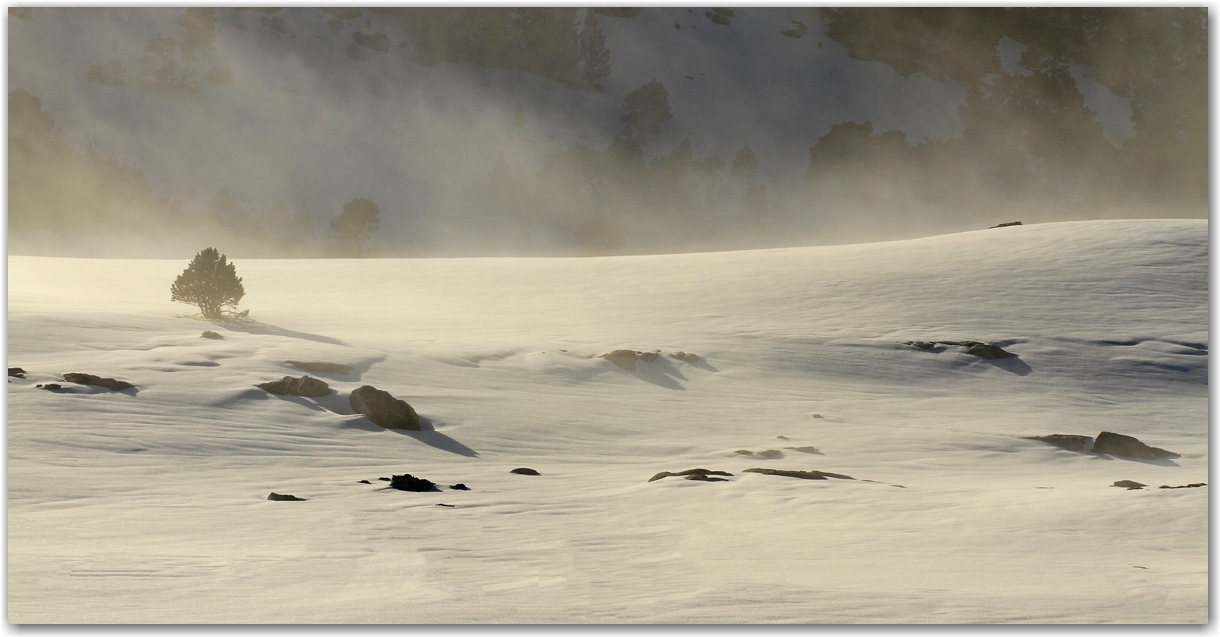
x=156 y=132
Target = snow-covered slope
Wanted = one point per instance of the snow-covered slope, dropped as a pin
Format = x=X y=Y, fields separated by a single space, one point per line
x=150 y=505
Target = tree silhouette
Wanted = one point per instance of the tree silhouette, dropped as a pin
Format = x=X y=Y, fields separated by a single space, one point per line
x=744 y=163
x=353 y=229
x=643 y=111
x=209 y=282
x=594 y=56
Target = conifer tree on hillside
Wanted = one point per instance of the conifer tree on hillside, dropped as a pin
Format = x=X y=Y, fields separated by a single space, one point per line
x=643 y=111
x=594 y=56
x=210 y=282
x=354 y=228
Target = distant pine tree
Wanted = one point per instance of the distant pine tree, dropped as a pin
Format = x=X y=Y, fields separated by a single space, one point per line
x=353 y=229
x=209 y=282
x=594 y=56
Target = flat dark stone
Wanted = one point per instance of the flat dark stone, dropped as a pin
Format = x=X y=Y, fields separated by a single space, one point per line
x=459 y=487
x=1070 y=442
x=305 y=386
x=51 y=386
x=284 y=497
x=807 y=475
x=98 y=381
x=525 y=471
x=408 y=482
x=1005 y=225
x=212 y=335
x=1184 y=486
x=704 y=478
x=440 y=504
x=1128 y=446
x=1129 y=484
x=384 y=479
x=16 y=372
x=365 y=482
x=690 y=472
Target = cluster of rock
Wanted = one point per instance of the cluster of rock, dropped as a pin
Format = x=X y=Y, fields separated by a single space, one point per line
x=626 y=358
x=212 y=335
x=705 y=475
x=1107 y=442
x=974 y=348
x=702 y=475
x=304 y=386
x=16 y=372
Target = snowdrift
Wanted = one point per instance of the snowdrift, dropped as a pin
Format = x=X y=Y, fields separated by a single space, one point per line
x=150 y=504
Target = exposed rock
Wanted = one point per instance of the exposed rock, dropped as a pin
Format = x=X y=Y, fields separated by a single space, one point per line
x=807 y=475
x=689 y=473
x=441 y=504
x=1130 y=485
x=304 y=386
x=624 y=358
x=408 y=482
x=365 y=482
x=1070 y=442
x=1005 y=225
x=284 y=497
x=384 y=409
x=974 y=348
x=212 y=335
x=771 y=453
x=384 y=479
x=704 y=478
x=686 y=357
x=50 y=386
x=459 y=487
x=1120 y=445
x=782 y=438
x=90 y=379
x=744 y=452
x=320 y=367
x=817 y=415
x=803 y=449
x=16 y=372
x=649 y=357
x=525 y=471
x=1184 y=486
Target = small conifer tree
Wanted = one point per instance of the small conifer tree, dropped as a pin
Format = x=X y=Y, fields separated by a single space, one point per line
x=210 y=282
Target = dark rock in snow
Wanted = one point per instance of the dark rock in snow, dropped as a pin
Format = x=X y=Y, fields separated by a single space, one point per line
x=320 y=367
x=624 y=358
x=924 y=345
x=365 y=482
x=771 y=453
x=459 y=487
x=1120 y=445
x=98 y=381
x=1184 y=486
x=803 y=449
x=441 y=504
x=212 y=335
x=690 y=473
x=1130 y=485
x=384 y=479
x=990 y=352
x=1064 y=441
x=50 y=386
x=284 y=497
x=384 y=409
x=807 y=475
x=305 y=386
x=685 y=357
x=408 y=482
x=649 y=357
x=525 y=471
x=744 y=452
x=700 y=477
x=1005 y=225
x=16 y=372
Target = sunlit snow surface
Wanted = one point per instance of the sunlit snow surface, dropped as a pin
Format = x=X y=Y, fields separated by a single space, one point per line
x=150 y=506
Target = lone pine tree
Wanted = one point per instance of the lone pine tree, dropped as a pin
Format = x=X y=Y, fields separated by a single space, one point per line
x=210 y=282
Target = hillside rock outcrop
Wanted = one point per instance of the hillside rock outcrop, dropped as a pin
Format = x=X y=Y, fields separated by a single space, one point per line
x=384 y=409
x=98 y=381
x=305 y=386
x=1128 y=446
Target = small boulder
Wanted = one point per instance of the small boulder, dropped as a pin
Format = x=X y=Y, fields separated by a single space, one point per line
x=1130 y=485
x=16 y=372
x=384 y=479
x=525 y=471
x=771 y=453
x=365 y=482
x=924 y=345
x=691 y=474
x=649 y=357
x=1005 y=225
x=459 y=487
x=1070 y=442
x=1127 y=446
x=989 y=352
x=384 y=409
x=320 y=367
x=803 y=449
x=284 y=497
x=408 y=482
x=624 y=358
x=50 y=386
x=98 y=381
x=304 y=386
x=212 y=335
x=686 y=357
x=807 y=475
x=442 y=504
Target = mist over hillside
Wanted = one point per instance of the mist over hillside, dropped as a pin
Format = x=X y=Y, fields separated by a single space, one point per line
x=554 y=131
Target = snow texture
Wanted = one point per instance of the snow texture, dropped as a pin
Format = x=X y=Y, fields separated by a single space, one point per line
x=150 y=505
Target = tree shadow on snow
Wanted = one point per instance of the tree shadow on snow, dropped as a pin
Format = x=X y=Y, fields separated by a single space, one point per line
x=251 y=326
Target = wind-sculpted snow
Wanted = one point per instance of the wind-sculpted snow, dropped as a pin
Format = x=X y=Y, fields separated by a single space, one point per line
x=152 y=506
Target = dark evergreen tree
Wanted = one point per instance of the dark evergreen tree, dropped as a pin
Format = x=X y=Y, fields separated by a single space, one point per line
x=744 y=163
x=210 y=282
x=643 y=111
x=354 y=228
x=594 y=56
